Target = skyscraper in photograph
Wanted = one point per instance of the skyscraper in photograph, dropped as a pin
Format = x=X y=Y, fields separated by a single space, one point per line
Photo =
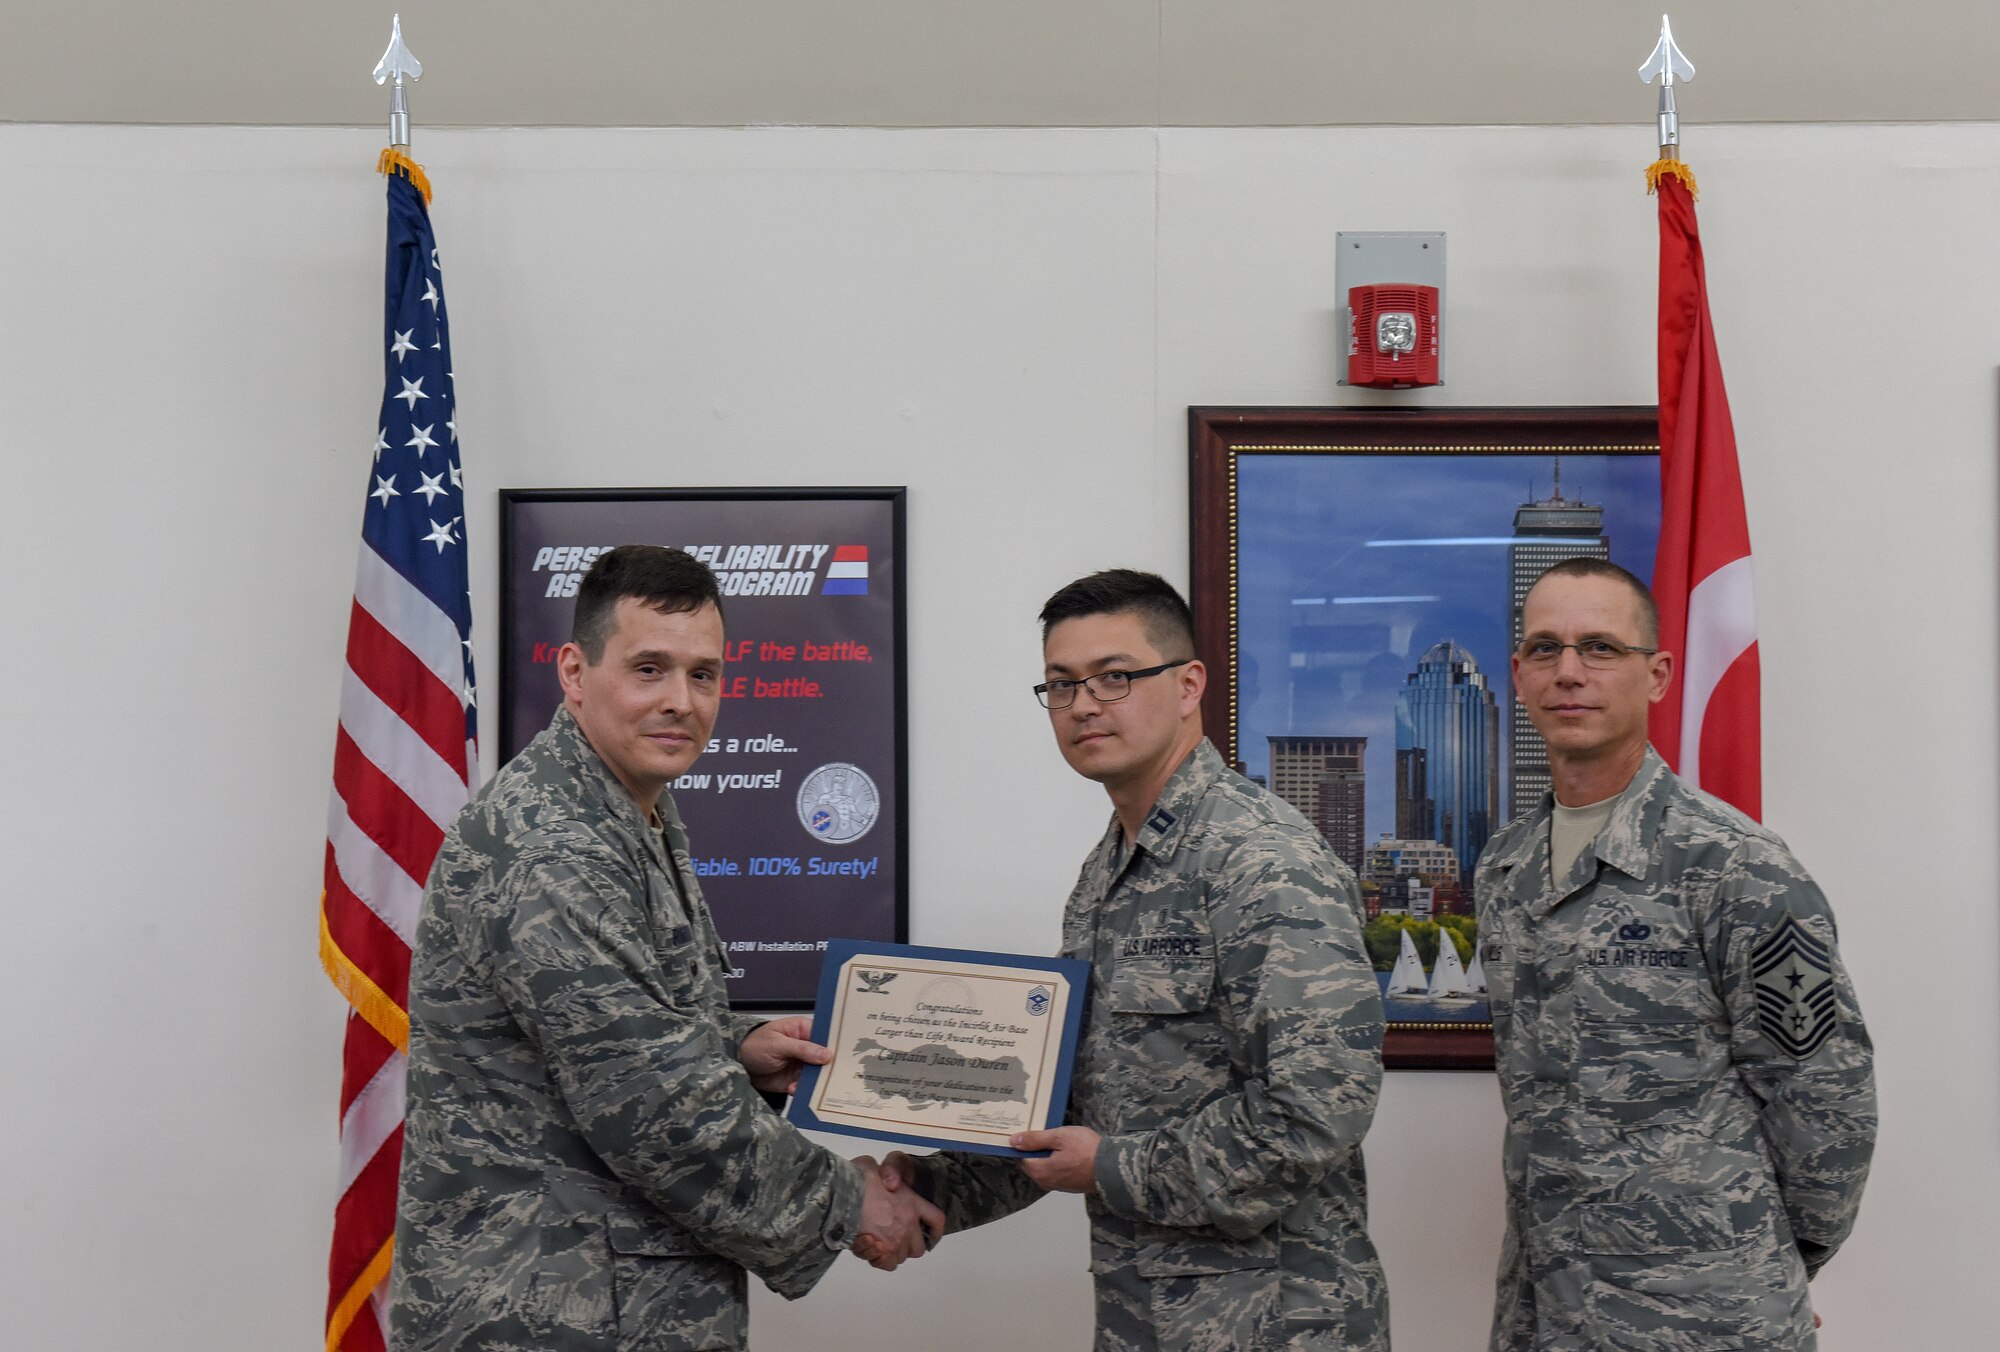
x=1446 y=711
x=1323 y=778
x=1414 y=819
x=1546 y=532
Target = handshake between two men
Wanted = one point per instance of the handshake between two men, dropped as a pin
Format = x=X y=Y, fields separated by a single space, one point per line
x=897 y=1221
x=1068 y=1167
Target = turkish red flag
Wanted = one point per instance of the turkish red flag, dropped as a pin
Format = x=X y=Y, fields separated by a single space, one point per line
x=1708 y=726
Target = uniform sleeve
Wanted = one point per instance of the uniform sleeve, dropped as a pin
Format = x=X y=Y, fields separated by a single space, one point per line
x=1303 y=1003
x=1513 y=1295
x=1797 y=1039
x=736 y=1026
x=974 y=1190
x=650 y=1078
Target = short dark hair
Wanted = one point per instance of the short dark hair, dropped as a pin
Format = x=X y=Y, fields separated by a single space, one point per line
x=671 y=581
x=1123 y=591
x=1649 y=609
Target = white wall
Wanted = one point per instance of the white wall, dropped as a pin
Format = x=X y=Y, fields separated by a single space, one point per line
x=1013 y=323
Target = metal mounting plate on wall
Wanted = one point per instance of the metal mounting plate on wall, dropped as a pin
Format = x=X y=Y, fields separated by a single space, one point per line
x=1387 y=258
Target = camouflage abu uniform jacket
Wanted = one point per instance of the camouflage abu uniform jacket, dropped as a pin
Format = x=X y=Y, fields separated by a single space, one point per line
x=1689 y=1093
x=1231 y=1059
x=586 y=1165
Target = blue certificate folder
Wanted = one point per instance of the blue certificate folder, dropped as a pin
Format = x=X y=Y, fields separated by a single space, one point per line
x=1075 y=974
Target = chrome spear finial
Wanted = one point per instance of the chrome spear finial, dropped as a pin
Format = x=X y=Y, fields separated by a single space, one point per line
x=398 y=63
x=1667 y=64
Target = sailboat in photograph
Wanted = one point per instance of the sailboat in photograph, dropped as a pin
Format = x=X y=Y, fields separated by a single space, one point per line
x=1408 y=978
x=1475 y=980
x=1448 y=973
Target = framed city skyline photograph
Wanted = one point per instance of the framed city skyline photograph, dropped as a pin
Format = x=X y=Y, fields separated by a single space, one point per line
x=1357 y=576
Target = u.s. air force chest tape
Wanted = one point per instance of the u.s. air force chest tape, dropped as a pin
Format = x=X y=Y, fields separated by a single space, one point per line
x=1165 y=946
x=1630 y=959
x=942 y=1047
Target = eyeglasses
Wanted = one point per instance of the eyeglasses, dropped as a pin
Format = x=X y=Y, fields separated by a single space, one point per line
x=1594 y=652
x=1106 y=687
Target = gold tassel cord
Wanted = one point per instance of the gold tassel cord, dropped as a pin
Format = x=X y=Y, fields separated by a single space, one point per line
x=372 y=1276
x=1660 y=169
x=394 y=161
x=369 y=1000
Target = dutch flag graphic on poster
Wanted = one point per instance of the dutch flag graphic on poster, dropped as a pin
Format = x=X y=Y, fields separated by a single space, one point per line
x=847 y=575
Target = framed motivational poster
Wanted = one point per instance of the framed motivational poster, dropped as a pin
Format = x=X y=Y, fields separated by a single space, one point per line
x=797 y=810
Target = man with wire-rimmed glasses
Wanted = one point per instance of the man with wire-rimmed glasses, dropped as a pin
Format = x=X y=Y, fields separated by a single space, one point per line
x=1232 y=1053
x=1689 y=1089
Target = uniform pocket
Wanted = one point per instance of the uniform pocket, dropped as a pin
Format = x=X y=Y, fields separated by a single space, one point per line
x=1331 y=1293
x=1216 y=1295
x=1639 y=1073
x=1193 y=1255
x=677 y=949
x=1160 y=988
x=672 y=1296
x=1665 y=1276
x=1160 y=1055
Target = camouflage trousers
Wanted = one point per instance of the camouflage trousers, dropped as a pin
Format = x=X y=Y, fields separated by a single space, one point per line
x=1629 y=1290
x=1240 y=1311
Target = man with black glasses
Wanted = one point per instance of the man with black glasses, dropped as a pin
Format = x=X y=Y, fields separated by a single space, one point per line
x=1689 y=1089
x=1232 y=1054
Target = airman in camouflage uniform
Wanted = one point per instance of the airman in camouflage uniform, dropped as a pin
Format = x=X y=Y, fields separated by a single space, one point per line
x=1231 y=1055
x=1688 y=1084
x=588 y=1163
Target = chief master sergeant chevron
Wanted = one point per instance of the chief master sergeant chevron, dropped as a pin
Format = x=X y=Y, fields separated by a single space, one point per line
x=1232 y=1053
x=588 y=1163
x=1689 y=1089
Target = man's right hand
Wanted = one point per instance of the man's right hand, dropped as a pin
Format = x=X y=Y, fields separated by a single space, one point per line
x=896 y=1223
x=899 y=1171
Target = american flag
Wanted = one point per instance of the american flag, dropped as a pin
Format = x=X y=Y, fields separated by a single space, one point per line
x=406 y=755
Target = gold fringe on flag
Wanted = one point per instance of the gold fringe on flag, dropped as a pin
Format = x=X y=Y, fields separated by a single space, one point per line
x=370 y=1001
x=364 y=1286
x=395 y=161
x=1655 y=171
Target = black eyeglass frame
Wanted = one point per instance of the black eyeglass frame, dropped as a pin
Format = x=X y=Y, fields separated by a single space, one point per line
x=1046 y=688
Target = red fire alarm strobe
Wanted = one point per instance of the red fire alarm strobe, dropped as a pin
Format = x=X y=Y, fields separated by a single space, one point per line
x=1392 y=336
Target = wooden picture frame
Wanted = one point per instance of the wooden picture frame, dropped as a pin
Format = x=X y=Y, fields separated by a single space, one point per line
x=1298 y=500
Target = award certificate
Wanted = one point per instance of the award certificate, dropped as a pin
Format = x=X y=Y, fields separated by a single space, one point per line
x=941 y=1046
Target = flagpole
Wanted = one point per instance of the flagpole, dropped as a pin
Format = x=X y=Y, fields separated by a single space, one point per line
x=1667 y=64
x=396 y=66
x=396 y=69
x=1708 y=727
x=407 y=712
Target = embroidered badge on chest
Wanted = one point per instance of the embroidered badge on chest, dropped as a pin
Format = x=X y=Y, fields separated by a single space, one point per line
x=1795 y=995
x=1166 y=946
